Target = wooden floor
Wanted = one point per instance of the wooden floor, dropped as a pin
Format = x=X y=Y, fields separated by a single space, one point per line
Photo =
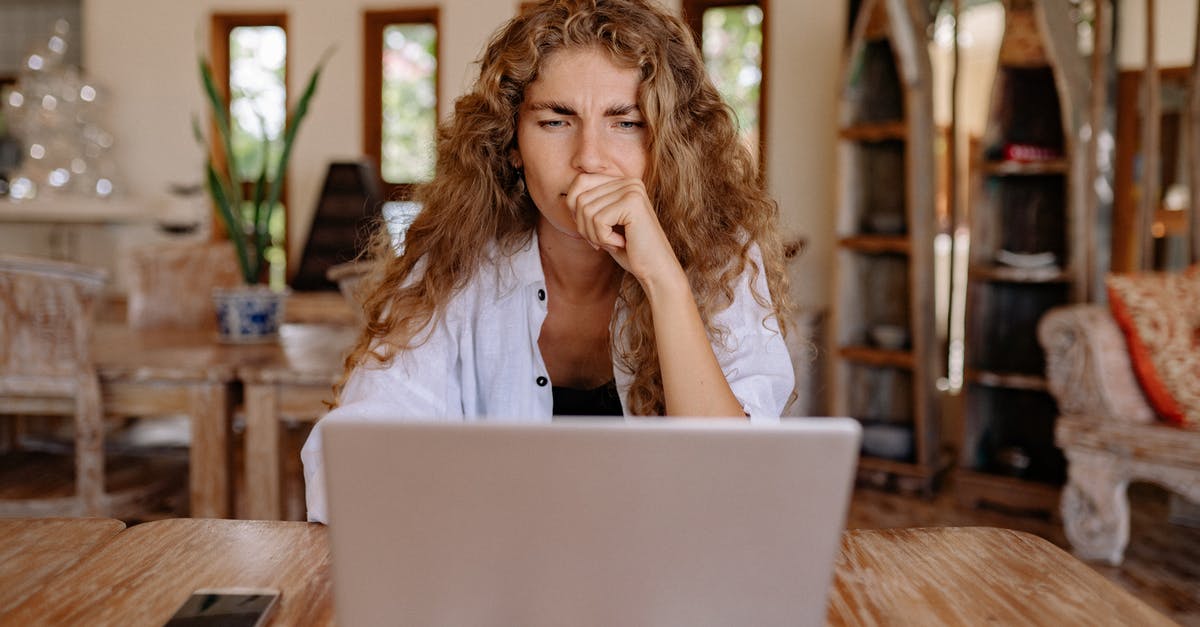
x=1161 y=567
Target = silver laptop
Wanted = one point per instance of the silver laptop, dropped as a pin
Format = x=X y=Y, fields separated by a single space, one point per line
x=662 y=522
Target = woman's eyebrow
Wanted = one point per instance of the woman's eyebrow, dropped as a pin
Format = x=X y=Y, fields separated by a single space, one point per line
x=619 y=110
x=556 y=107
x=559 y=108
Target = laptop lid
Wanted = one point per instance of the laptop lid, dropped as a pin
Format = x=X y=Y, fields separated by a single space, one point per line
x=658 y=522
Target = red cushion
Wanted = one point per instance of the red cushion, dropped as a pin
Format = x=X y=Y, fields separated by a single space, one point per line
x=1160 y=317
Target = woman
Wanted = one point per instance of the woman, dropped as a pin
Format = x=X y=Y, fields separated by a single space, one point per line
x=595 y=242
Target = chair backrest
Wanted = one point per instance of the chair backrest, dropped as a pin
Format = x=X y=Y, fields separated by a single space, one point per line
x=171 y=284
x=46 y=311
x=351 y=279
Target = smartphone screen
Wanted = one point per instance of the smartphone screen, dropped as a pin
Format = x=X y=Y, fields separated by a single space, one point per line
x=225 y=608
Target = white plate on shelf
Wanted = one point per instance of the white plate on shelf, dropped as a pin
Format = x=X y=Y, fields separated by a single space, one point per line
x=1025 y=260
x=889 y=336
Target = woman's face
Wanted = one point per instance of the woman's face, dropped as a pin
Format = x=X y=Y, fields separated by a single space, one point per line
x=579 y=117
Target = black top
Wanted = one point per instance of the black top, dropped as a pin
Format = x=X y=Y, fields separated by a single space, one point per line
x=599 y=401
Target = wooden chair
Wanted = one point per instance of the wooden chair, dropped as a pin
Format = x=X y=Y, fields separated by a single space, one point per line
x=46 y=310
x=171 y=284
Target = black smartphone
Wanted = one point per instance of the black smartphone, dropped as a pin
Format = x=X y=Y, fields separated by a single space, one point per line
x=226 y=607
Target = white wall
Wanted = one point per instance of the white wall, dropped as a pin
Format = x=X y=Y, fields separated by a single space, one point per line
x=144 y=51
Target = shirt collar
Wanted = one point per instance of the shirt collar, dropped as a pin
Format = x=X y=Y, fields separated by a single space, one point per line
x=523 y=267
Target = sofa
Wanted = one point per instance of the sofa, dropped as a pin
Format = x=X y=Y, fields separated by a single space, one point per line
x=1108 y=430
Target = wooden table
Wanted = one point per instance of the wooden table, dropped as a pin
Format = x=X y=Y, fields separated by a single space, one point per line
x=972 y=576
x=942 y=576
x=297 y=385
x=143 y=574
x=34 y=551
x=156 y=372
x=170 y=372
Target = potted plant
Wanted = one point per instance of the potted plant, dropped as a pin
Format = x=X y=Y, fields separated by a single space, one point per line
x=253 y=311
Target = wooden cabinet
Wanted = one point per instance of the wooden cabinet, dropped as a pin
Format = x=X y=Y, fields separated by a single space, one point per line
x=1028 y=253
x=885 y=351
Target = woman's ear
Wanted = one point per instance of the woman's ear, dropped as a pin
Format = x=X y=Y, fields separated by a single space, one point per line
x=514 y=158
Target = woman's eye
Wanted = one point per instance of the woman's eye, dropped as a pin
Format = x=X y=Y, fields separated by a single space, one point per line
x=630 y=124
x=552 y=123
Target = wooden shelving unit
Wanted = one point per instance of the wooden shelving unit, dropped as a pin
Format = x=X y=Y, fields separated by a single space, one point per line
x=885 y=349
x=1028 y=254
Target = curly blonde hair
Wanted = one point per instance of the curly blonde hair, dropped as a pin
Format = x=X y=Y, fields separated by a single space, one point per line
x=702 y=182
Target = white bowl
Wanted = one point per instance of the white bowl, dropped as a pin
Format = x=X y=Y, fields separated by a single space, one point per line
x=1025 y=260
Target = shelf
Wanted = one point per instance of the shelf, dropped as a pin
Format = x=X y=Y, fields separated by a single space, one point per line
x=885 y=216
x=1025 y=168
x=867 y=462
x=877 y=244
x=1010 y=380
x=875 y=132
x=1026 y=206
x=1007 y=274
x=62 y=208
x=877 y=357
x=973 y=488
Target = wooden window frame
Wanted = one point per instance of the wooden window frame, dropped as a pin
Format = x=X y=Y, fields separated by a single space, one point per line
x=221 y=26
x=374 y=22
x=693 y=14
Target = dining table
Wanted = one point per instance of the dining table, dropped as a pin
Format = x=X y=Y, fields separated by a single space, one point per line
x=165 y=371
x=297 y=385
x=919 y=576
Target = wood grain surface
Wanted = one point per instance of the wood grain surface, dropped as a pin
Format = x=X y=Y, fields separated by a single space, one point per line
x=33 y=552
x=145 y=573
x=922 y=576
x=972 y=576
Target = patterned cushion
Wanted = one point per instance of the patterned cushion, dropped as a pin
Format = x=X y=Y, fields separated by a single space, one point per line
x=1160 y=317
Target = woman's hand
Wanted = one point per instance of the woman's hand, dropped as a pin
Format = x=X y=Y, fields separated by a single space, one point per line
x=615 y=214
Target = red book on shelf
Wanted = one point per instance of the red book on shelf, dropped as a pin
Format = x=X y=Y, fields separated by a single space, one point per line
x=1030 y=153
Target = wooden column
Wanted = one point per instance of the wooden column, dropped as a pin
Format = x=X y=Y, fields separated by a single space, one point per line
x=1151 y=177
x=1194 y=136
x=1094 y=273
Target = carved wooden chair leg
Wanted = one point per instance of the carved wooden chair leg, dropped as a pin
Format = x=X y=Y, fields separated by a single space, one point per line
x=89 y=443
x=1095 y=506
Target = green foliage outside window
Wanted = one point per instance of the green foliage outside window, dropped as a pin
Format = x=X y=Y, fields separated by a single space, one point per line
x=409 y=102
x=733 y=54
x=258 y=112
x=257 y=104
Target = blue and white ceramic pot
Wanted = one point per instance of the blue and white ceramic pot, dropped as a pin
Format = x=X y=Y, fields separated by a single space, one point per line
x=249 y=314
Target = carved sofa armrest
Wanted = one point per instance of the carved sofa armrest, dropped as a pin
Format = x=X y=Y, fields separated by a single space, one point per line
x=1088 y=367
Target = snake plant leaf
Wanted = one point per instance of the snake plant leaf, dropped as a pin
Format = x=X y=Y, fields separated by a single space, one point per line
x=232 y=224
x=248 y=221
x=295 y=117
x=220 y=111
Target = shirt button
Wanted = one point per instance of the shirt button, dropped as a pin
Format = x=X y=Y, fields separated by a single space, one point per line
x=541 y=294
x=542 y=381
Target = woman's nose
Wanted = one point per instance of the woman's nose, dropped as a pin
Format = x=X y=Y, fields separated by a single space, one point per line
x=589 y=152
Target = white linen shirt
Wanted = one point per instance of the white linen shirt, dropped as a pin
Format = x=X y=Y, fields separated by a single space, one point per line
x=480 y=361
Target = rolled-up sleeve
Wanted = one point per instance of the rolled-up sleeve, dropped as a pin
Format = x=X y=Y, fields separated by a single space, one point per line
x=421 y=383
x=753 y=354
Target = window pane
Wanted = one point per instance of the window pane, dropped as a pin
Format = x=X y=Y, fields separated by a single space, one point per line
x=733 y=54
x=409 y=102
x=257 y=104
